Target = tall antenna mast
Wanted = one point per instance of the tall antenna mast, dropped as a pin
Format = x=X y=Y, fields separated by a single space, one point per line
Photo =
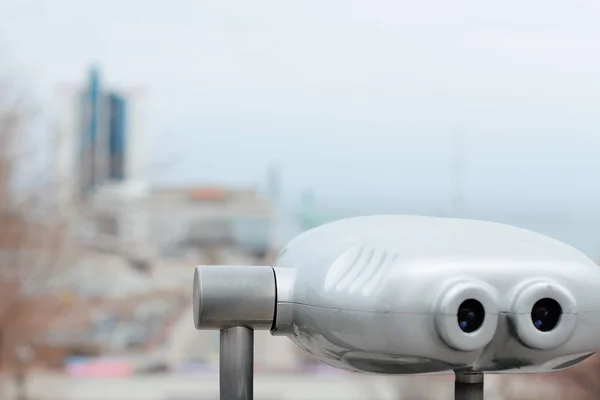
x=457 y=202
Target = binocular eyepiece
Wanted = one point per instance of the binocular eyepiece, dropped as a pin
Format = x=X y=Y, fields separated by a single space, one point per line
x=545 y=315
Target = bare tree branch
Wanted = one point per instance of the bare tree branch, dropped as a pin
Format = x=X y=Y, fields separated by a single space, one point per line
x=31 y=238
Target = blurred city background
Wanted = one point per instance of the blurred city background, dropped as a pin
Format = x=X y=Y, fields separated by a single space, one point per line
x=139 y=139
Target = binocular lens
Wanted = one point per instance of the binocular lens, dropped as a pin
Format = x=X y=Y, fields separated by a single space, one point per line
x=545 y=314
x=470 y=316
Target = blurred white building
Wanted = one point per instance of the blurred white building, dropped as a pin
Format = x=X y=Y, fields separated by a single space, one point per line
x=117 y=219
x=209 y=222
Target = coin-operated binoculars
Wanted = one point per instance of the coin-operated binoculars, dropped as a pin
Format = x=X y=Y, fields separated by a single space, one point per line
x=409 y=295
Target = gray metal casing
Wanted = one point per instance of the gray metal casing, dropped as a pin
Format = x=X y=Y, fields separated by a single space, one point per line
x=380 y=294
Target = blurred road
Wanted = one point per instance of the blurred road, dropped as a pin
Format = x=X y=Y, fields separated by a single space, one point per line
x=199 y=387
x=346 y=386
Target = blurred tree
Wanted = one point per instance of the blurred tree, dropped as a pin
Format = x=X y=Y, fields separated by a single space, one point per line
x=30 y=236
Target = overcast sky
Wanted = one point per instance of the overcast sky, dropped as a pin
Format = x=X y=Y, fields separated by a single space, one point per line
x=355 y=99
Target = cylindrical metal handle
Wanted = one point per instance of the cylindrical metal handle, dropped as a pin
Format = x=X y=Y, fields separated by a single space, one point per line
x=227 y=296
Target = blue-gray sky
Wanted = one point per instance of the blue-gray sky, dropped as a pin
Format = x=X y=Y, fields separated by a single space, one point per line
x=355 y=99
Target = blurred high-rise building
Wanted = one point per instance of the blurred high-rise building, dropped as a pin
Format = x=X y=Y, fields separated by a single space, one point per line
x=99 y=139
x=99 y=158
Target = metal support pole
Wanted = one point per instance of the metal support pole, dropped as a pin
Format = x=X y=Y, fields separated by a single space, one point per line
x=236 y=364
x=468 y=385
